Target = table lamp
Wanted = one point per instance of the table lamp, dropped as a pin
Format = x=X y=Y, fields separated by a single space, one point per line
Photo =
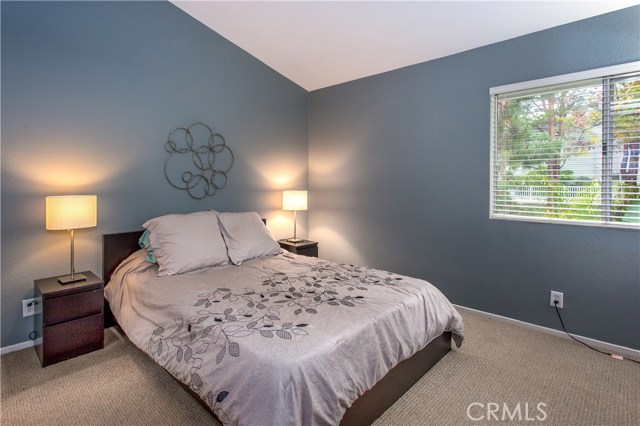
x=70 y=212
x=294 y=200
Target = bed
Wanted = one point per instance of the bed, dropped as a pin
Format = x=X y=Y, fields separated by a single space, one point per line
x=281 y=340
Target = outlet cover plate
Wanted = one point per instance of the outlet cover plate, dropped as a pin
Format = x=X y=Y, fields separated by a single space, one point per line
x=27 y=310
x=556 y=295
x=34 y=309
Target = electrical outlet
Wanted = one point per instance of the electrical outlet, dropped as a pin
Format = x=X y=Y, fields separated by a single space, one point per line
x=31 y=307
x=556 y=296
x=28 y=307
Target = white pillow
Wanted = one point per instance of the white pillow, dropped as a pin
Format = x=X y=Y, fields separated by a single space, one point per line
x=246 y=236
x=186 y=242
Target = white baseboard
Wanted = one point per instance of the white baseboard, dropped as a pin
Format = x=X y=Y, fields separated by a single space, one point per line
x=616 y=349
x=17 y=347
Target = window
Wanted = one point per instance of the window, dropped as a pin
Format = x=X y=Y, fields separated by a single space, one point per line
x=566 y=149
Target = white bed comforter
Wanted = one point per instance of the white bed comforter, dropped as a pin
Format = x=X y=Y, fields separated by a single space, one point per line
x=284 y=340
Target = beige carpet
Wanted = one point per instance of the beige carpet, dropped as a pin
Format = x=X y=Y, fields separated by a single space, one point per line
x=498 y=363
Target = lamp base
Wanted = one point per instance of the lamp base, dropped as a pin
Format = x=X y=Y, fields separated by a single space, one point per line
x=295 y=240
x=68 y=279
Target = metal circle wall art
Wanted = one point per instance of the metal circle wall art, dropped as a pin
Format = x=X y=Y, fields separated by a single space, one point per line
x=205 y=155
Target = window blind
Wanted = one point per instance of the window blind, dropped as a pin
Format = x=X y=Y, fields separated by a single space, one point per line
x=568 y=151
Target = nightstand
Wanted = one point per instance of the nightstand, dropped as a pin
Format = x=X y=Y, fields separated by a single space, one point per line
x=304 y=248
x=71 y=321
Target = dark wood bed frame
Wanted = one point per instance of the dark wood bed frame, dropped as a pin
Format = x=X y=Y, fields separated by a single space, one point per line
x=366 y=409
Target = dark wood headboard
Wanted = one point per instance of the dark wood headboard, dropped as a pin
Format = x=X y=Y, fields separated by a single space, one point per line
x=115 y=249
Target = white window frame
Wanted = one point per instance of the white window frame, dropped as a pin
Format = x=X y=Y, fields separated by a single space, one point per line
x=535 y=84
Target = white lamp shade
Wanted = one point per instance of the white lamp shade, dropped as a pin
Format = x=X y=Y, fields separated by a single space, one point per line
x=294 y=200
x=71 y=212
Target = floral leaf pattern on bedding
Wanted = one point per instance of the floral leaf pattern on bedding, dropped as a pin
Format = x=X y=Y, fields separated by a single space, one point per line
x=186 y=344
x=342 y=275
x=260 y=313
x=222 y=317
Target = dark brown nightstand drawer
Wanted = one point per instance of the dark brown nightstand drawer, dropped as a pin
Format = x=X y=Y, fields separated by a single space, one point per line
x=308 y=251
x=74 y=306
x=72 y=338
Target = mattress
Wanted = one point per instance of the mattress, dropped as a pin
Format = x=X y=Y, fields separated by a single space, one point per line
x=281 y=340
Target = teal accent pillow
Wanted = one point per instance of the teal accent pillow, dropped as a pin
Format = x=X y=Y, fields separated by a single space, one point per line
x=145 y=243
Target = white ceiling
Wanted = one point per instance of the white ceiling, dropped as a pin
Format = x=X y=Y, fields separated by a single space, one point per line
x=321 y=43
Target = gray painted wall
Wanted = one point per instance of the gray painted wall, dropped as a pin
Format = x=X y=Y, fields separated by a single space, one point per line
x=89 y=93
x=90 y=90
x=399 y=180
